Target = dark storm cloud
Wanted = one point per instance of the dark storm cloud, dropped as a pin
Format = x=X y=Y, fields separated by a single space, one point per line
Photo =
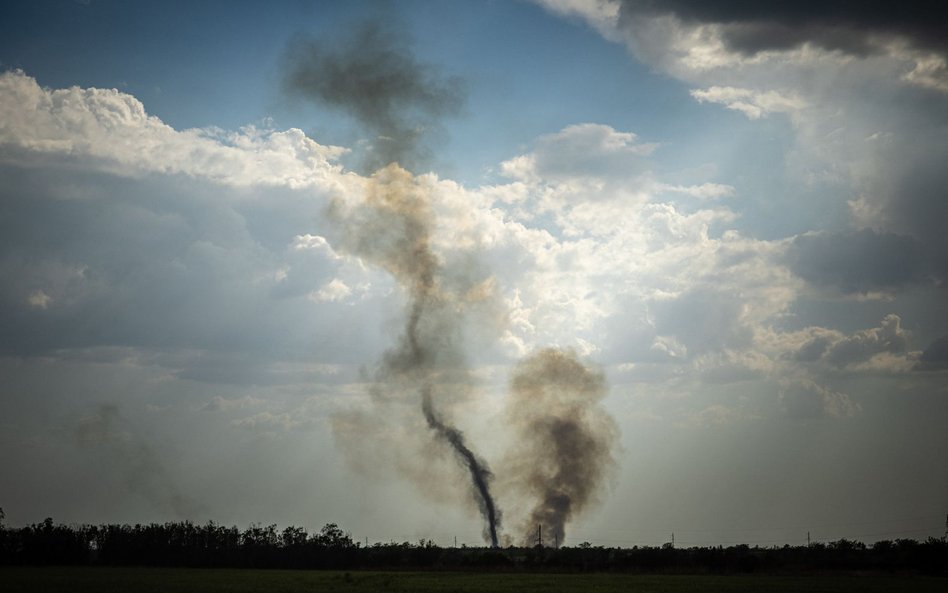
x=935 y=356
x=858 y=261
x=373 y=76
x=919 y=205
x=750 y=26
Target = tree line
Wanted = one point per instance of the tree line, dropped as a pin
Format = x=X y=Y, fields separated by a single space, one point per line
x=213 y=545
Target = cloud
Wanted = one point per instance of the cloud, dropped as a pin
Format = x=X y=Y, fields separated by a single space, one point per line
x=690 y=37
x=863 y=345
x=230 y=279
x=935 y=356
x=861 y=86
x=704 y=319
x=334 y=290
x=581 y=150
x=836 y=25
x=885 y=348
x=751 y=103
x=705 y=191
x=804 y=399
x=120 y=231
x=39 y=299
x=858 y=261
x=929 y=71
x=273 y=423
x=111 y=131
x=219 y=403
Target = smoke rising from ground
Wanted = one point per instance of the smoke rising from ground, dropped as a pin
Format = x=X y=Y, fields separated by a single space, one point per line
x=392 y=229
x=142 y=471
x=375 y=78
x=564 y=442
x=480 y=474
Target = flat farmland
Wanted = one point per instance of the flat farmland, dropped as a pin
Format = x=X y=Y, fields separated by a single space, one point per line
x=174 y=580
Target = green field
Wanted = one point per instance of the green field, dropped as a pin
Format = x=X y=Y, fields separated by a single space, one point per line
x=172 y=580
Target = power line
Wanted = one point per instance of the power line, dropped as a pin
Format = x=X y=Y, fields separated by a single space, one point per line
x=815 y=526
x=812 y=533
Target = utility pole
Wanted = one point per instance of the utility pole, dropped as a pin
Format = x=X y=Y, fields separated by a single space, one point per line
x=673 y=539
x=539 y=536
x=556 y=541
x=808 y=539
x=455 y=541
x=366 y=541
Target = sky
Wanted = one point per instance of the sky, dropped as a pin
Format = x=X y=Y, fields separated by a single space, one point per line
x=260 y=260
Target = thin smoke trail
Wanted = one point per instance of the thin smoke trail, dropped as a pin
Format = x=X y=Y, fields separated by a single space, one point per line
x=480 y=474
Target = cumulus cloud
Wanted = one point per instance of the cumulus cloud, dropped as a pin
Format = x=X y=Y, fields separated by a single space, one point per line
x=120 y=231
x=210 y=270
x=806 y=399
x=844 y=75
x=581 y=150
x=753 y=104
x=199 y=267
x=112 y=130
x=885 y=348
x=624 y=268
x=863 y=345
x=39 y=299
x=334 y=290
x=863 y=151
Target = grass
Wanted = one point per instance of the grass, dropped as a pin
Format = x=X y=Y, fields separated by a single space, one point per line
x=175 y=580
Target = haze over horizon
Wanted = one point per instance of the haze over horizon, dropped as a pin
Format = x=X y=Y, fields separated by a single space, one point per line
x=684 y=260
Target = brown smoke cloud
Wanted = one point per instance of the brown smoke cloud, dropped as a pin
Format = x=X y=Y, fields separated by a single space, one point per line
x=391 y=228
x=564 y=442
x=374 y=77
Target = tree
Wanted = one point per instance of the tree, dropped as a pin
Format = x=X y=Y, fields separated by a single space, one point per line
x=332 y=536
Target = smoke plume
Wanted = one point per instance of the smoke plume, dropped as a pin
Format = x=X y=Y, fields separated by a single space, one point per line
x=564 y=441
x=480 y=475
x=142 y=470
x=375 y=78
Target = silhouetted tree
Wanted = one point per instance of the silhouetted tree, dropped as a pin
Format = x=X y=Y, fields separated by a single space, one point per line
x=187 y=544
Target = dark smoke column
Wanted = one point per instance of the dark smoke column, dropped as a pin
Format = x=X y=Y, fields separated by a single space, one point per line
x=375 y=78
x=480 y=474
x=564 y=439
